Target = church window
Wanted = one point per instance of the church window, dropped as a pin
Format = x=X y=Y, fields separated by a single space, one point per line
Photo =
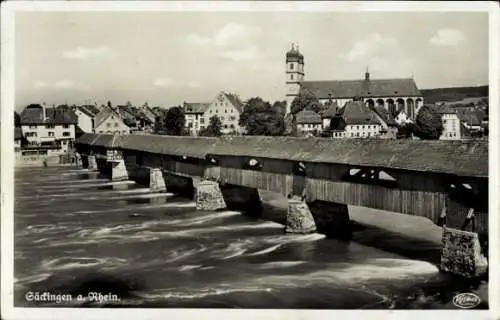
x=225 y=110
x=357 y=134
x=291 y=66
x=291 y=76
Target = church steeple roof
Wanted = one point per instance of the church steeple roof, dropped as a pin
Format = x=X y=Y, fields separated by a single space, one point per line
x=294 y=55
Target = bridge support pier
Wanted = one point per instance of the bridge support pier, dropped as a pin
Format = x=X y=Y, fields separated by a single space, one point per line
x=299 y=218
x=85 y=161
x=91 y=163
x=461 y=254
x=332 y=219
x=118 y=170
x=103 y=166
x=157 y=180
x=208 y=196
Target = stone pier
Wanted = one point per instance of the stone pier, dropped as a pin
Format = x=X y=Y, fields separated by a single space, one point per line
x=91 y=163
x=157 y=180
x=332 y=219
x=118 y=170
x=461 y=254
x=299 y=218
x=208 y=196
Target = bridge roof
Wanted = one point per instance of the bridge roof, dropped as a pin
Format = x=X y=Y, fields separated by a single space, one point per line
x=462 y=158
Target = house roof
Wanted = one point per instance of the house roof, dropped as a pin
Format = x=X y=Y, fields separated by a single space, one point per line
x=444 y=109
x=34 y=115
x=195 y=107
x=469 y=117
x=462 y=158
x=86 y=111
x=235 y=101
x=358 y=113
x=384 y=114
x=105 y=113
x=364 y=88
x=331 y=110
x=307 y=117
x=92 y=108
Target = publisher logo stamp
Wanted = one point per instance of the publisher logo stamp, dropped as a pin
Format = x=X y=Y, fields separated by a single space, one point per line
x=466 y=300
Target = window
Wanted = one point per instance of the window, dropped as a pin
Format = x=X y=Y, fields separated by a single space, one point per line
x=225 y=110
x=65 y=126
x=221 y=118
x=32 y=127
x=101 y=131
x=216 y=111
x=232 y=118
x=232 y=126
x=202 y=120
x=51 y=134
x=66 y=134
x=225 y=126
x=291 y=66
x=291 y=77
x=50 y=126
x=108 y=124
x=116 y=124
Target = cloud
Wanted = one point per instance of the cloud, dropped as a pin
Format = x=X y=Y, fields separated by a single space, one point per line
x=240 y=54
x=59 y=85
x=193 y=84
x=164 y=82
x=447 y=37
x=230 y=34
x=381 y=54
x=82 y=53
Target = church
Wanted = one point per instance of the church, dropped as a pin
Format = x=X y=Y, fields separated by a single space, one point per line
x=395 y=95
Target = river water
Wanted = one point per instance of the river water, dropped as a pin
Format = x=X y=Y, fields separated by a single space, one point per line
x=76 y=232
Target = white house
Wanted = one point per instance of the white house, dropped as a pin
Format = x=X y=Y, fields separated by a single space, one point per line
x=85 y=119
x=356 y=120
x=308 y=122
x=109 y=121
x=451 y=124
x=49 y=126
x=227 y=107
x=194 y=114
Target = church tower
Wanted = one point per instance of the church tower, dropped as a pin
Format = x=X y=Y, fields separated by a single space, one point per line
x=294 y=74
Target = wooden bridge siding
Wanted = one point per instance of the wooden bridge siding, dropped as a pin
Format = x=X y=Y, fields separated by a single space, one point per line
x=273 y=182
x=420 y=203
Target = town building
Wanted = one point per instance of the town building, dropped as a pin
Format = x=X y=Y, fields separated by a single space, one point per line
x=392 y=94
x=228 y=108
x=194 y=114
x=308 y=122
x=401 y=118
x=329 y=113
x=49 y=126
x=356 y=120
x=86 y=118
x=110 y=121
x=452 y=127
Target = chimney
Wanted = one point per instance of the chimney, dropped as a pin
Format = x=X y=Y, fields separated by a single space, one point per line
x=44 y=114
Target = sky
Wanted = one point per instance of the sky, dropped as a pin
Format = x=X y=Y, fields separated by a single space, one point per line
x=166 y=58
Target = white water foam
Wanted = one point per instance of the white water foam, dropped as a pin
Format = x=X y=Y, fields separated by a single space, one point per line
x=33 y=279
x=87 y=185
x=281 y=264
x=139 y=208
x=67 y=263
x=197 y=293
x=142 y=196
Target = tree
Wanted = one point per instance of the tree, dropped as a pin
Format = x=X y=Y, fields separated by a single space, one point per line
x=214 y=128
x=429 y=124
x=17 y=119
x=305 y=99
x=109 y=104
x=280 y=106
x=159 y=125
x=174 y=122
x=406 y=130
x=260 y=118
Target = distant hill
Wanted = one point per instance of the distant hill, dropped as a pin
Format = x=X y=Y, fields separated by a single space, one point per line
x=453 y=94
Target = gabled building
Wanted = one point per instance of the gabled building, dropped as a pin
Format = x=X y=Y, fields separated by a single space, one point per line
x=401 y=118
x=392 y=94
x=194 y=114
x=110 y=121
x=308 y=122
x=452 y=126
x=329 y=113
x=389 y=125
x=356 y=120
x=85 y=119
x=49 y=126
x=228 y=107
